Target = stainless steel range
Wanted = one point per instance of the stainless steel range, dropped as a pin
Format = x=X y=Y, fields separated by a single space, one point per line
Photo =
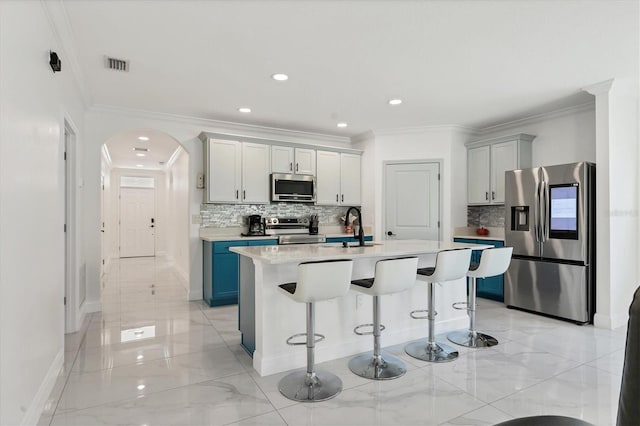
x=291 y=230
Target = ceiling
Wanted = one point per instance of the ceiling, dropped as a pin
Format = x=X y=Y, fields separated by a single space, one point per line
x=126 y=150
x=469 y=63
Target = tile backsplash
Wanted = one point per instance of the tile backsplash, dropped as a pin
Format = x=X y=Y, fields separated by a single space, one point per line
x=492 y=216
x=226 y=215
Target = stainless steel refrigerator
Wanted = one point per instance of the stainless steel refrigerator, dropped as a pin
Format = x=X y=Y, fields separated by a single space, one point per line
x=550 y=223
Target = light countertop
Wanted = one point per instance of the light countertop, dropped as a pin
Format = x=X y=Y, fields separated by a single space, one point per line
x=233 y=233
x=314 y=252
x=495 y=233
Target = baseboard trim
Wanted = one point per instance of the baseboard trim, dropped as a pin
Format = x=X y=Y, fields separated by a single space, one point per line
x=36 y=408
x=609 y=322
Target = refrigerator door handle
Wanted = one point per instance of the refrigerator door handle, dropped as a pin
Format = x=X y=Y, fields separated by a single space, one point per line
x=545 y=210
x=536 y=214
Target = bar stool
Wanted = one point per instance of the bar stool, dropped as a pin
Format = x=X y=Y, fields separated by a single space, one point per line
x=494 y=261
x=450 y=265
x=391 y=276
x=316 y=281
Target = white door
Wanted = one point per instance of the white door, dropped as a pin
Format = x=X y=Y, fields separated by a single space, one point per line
x=137 y=222
x=412 y=201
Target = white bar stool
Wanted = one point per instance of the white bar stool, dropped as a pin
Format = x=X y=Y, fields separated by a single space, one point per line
x=316 y=281
x=450 y=265
x=494 y=261
x=391 y=276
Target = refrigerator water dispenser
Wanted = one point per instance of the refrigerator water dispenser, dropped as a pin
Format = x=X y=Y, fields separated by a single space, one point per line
x=520 y=218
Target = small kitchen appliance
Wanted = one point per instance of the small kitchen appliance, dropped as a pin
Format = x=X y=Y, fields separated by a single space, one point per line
x=313 y=224
x=256 y=226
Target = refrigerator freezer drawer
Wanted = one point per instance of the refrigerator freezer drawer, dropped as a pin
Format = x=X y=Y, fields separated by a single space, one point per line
x=550 y=288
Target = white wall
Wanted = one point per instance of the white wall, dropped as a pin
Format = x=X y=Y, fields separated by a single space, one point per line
x=32 y=102
x=178 y=216
x=565 y=136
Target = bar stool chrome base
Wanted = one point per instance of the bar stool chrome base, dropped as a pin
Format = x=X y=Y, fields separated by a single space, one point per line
x=300 y=386
x=432 y=352
x=472 y=339
x=382 y=368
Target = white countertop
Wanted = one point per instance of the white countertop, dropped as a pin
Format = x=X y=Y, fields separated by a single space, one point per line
x=314 y=252
x=233 y=233
x=495 y=233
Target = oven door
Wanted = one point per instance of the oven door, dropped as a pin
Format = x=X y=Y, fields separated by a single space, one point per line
x=298 y=188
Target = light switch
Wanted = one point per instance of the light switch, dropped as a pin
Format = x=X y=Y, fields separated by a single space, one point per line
x=200 y=182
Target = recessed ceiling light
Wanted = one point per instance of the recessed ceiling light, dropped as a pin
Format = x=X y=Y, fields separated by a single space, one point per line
x=140 y=154
x=140 y=387
x=139 y=357
x=280 y=77
x=143 y=138
x=395 y=101
x=342 y=124
x=244 y=109
x=139 y=165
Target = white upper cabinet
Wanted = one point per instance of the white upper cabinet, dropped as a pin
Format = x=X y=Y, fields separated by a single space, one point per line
x=299 y=161
x=350 y=179
x=255 y=173
x=338 y=178
x=224 y=167
x=282 y=159
x=237 y=172
x=328 y=178
x=487 y=162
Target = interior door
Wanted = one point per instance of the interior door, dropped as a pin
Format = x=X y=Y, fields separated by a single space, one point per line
x=137 y=222
x=412 y=201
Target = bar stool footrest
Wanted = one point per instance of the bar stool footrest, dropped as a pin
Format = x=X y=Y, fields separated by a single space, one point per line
x=366 y=333
x=414 y=316
x=460 y=306
x=319 y=338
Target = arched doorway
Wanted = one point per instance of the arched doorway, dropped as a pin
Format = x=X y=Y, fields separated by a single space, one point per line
x=145 y=199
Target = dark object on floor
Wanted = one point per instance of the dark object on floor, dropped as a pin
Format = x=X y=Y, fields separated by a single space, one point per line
x=628 y=406
x=545 y=421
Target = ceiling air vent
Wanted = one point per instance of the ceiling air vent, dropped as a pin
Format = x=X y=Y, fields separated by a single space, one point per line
x=141 y=149
x=116 y=64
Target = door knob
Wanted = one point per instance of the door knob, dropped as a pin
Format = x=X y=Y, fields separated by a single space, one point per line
x=389 y=233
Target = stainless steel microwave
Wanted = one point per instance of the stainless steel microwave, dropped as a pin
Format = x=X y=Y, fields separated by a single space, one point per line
x=293 y=188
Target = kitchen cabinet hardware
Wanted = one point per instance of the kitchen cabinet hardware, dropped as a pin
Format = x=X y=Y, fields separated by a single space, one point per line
x=290 y=167
x=493 y=195
x=337 y=198
x=486 y=195
x=297 y=167
x=244 y=194
x=236 y=194
x=342 y=198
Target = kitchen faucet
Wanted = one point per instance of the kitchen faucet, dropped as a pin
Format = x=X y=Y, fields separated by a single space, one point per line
x=360 y=227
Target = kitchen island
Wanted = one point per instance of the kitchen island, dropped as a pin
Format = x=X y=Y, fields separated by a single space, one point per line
x=268 y=318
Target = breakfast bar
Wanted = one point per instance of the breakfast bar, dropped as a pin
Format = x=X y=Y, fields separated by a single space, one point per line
x=267 y=318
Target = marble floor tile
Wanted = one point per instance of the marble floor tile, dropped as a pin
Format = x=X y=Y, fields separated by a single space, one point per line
x=494 y=373
x=418 y=398
x=97 y=388
x=584 y=392
x=484 y=416
x=222 y=401
x=193 y=371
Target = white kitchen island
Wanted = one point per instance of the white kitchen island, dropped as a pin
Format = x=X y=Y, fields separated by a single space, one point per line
x=268 y=317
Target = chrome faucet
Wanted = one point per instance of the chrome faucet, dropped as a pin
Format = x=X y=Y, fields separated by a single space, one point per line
x=360 y=227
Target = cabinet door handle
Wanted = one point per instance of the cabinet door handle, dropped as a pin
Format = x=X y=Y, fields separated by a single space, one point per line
x=244 y=194
x=290 y=167
x=343 y=198
x=486 y=196
x=337 y=199
x=236 y=194
x=493 y=195
x=297 y=167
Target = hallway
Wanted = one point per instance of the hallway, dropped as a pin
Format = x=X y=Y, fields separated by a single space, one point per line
x=151 y=357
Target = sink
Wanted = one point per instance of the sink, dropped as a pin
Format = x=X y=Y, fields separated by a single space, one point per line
x=366 y=244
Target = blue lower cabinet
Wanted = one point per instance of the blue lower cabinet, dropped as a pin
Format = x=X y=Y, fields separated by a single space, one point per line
x=347 y=239
x=220 y=270
x=489 y=288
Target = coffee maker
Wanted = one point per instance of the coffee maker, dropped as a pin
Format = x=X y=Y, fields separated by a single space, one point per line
x=313 y=224
x=256 y=226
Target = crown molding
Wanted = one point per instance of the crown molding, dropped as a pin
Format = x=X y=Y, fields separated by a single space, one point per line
x=229 y=128
x=599 y=88
x=362 y=137
x=63 y=33
x=536 y=118
x=423 y=129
